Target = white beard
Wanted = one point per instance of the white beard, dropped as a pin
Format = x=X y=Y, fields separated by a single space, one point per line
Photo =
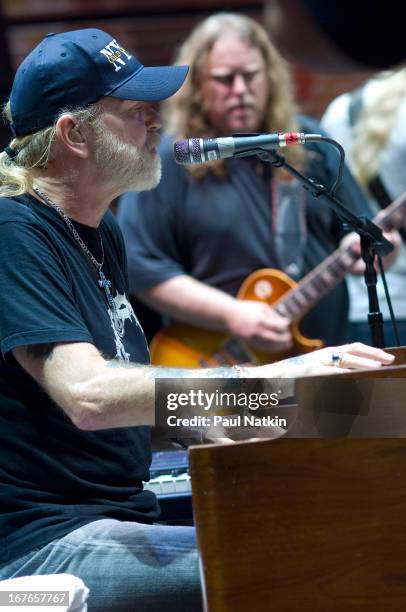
x=125 y=165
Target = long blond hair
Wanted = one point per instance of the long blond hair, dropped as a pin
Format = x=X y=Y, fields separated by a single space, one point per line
x=32 y=152
x=184 y=114
x=375 y=123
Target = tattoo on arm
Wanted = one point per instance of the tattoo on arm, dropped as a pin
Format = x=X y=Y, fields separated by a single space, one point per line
x=40 y=351
x=119 y=363
x=298 y=360
x=164 y=372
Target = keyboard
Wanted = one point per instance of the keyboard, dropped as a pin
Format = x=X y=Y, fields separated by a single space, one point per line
x=170 y=481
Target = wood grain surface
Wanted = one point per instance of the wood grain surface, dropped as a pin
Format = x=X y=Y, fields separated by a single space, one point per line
x=302 y=524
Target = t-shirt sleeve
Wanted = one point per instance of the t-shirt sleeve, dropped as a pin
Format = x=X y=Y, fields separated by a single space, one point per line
x=37 y=303
x=149 y=222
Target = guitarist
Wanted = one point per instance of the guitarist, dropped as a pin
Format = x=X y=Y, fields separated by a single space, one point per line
x=193 y=240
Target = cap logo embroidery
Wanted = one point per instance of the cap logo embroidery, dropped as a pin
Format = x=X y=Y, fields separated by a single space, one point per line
x=114 y=53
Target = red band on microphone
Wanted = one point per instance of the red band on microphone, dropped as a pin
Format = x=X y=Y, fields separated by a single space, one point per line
x=291 y=138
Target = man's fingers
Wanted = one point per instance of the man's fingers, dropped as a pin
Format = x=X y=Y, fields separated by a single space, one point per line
x=362 y=350
x=355 y=362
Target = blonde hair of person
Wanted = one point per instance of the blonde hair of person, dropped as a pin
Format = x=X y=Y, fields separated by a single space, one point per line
x=375 y=122
x=33 y=151
x=184 y=115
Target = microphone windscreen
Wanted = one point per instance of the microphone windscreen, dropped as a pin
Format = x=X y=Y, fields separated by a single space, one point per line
x=181 y=152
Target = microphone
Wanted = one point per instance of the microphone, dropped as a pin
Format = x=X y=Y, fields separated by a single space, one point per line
x=200 y=150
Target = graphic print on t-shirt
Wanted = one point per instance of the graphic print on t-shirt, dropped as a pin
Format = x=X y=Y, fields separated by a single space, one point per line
x=123 y=311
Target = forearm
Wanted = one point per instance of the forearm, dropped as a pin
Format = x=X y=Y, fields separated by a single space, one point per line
x=123 y=395
x=188 y=300
x=96 y=393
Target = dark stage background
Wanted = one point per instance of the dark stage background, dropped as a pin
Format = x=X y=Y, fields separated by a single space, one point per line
x=151 y=28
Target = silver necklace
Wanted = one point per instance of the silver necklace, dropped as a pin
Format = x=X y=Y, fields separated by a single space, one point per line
x=103 y=282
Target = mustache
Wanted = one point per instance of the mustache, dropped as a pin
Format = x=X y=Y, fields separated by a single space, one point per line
x=245 y=103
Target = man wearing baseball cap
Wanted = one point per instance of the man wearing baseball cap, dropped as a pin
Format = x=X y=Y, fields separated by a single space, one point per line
x=85 y=127
x=76 y=390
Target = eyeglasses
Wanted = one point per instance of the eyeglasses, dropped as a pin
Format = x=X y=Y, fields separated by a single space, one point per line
x=228 y=79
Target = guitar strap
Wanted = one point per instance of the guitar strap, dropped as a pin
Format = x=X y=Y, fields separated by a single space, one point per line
x=289 y=224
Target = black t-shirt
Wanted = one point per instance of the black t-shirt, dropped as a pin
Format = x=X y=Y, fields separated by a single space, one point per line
x=221 y=229
x=55 y=477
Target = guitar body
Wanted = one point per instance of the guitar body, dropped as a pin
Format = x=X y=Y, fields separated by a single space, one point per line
x=184 y=345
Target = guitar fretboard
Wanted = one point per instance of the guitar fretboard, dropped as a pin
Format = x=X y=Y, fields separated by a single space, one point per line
x=298 y=301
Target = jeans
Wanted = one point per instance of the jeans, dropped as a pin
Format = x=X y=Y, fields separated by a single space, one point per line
x=127 y=566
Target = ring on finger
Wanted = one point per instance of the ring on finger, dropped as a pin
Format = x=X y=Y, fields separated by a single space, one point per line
x=336 y=358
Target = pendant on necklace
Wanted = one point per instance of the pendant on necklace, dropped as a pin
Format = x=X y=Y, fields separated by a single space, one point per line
x=105 y=284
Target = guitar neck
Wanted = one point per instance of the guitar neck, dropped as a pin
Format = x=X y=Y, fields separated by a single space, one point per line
x=308 y=292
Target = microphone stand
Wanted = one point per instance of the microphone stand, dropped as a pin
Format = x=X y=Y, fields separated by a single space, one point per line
x=372 y=241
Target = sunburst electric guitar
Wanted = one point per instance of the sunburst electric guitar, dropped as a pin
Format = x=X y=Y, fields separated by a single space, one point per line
x=184 y=345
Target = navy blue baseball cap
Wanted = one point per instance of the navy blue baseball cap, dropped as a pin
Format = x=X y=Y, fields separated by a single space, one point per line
x=78 y=68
